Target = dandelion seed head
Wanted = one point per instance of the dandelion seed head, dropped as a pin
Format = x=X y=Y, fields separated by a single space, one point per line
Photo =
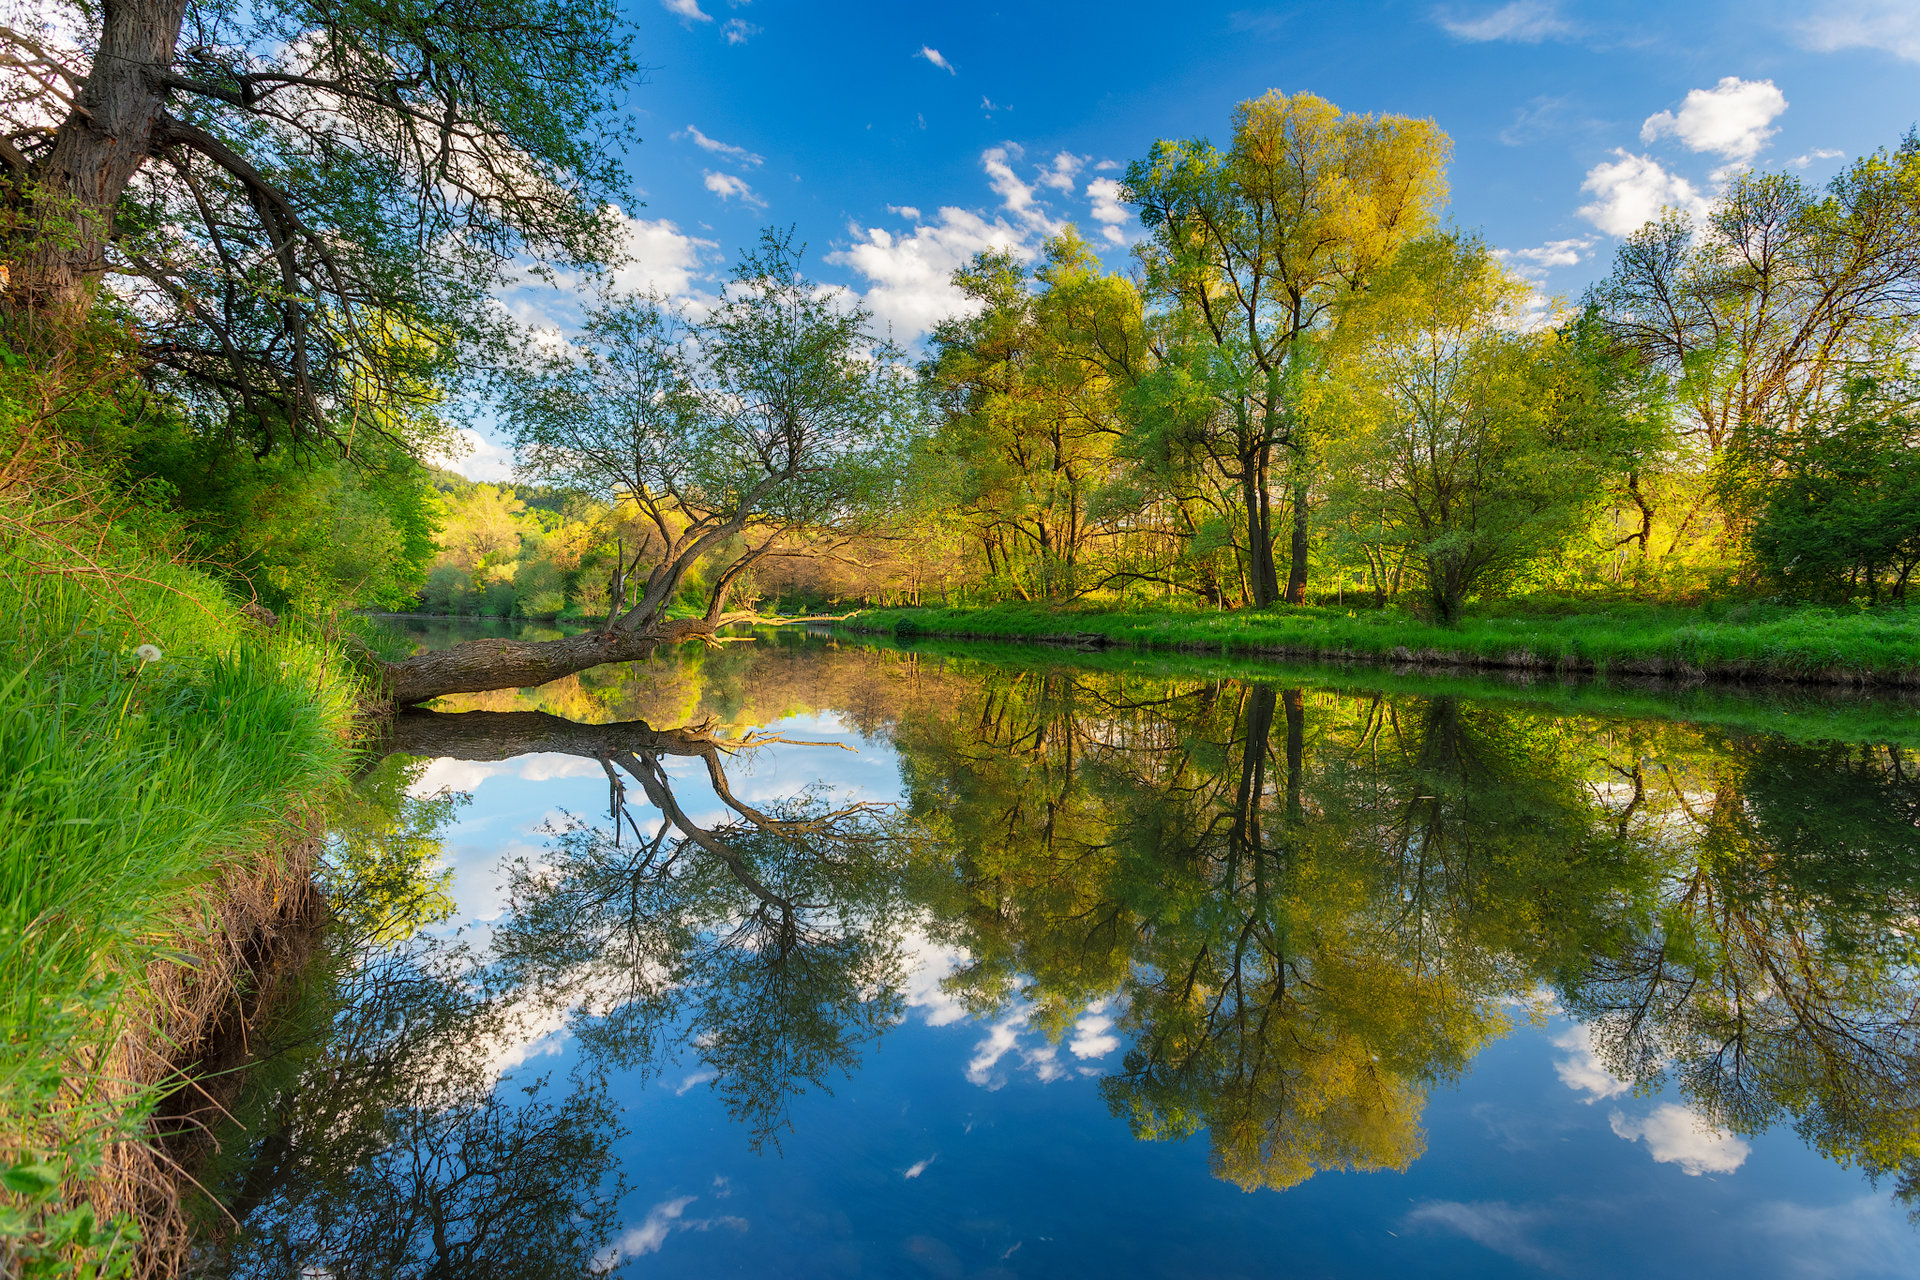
x=148 y=653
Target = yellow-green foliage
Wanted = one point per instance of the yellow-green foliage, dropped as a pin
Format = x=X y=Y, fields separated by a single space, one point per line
x=127 y=782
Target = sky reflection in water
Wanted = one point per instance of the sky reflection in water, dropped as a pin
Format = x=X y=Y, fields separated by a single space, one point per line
x=1350 y=946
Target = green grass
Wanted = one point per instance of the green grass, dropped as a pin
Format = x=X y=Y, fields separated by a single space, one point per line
x=125 y=789
x=1746 y=641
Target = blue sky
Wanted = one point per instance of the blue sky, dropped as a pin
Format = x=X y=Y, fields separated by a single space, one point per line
x=900 y=139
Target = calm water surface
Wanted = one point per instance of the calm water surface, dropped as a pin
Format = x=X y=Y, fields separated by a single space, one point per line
x=1003 y=966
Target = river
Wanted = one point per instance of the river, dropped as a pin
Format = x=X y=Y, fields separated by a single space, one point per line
x=996 y=962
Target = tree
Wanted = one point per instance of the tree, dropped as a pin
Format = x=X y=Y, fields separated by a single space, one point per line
x=1031 y=407
x=1451 y=446
x=1845 y=516
x=309 y=202
x=1760 y=316
x=1251 y=251
x=779 y=413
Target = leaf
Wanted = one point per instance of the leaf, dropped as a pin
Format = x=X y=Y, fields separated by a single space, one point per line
x=36 y=1181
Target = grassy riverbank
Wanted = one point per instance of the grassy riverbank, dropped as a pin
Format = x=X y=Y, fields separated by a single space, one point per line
x=160 y=757
x=1746 y=641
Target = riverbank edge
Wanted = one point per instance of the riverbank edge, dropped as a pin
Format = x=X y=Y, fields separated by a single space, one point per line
x=111 y=1146
x=1203 y=635
x=222 y=967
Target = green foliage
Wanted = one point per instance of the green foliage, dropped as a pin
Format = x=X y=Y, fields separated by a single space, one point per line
x=352 y=251
x=1448 y=448
x=1844 y=519
x=130 y=777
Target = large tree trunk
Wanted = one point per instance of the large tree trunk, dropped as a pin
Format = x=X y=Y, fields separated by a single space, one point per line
x=97 y=149
x=501 y=735
x=479 y=665
x=1297 y=566
x=1263 y=579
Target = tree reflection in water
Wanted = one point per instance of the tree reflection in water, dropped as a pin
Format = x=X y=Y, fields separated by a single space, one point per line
x=1310 y=908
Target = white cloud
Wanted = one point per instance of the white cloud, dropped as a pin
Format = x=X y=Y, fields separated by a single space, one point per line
x=1002 y=1039
x=448 y=774
x=661 y=1221
x=1892 y=25
x=719 y=148
x=727 y=186
x=1582 y=1072
x=686 y=10
x=1676 y=1135
x=738 y=31
x=1016 y=195
x=910 y=276
x=928 y=964
x=481 y=459
x=1107 y=209
x=1494 y=1224
x=932 y=55
x=1092 y=1035
x=660 y=257
x=1524 y=21
x=551 y=766
x=919 y=1167
x=1632 y=191
x=1818 y=153
x=694 y=1080
x=1060 y=174
x=1731 y=119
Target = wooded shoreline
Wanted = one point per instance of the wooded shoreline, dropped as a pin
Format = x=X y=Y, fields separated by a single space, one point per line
x=1695 y=651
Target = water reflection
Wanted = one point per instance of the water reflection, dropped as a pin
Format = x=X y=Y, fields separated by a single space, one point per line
x=1302 y=911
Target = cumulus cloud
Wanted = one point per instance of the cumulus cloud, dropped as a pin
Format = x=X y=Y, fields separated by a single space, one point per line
x=727 y=187
x=1731 y=120
x=686 y=10
x=1092 y=1034
x=918 y=1167
x=910 y=276
x=738 y=31
x=719 y=148
x=1523 y=21
x=1003 y=1038
x=660 y=257
x=1016 y=195
x=1676 y=1135
x=932 y=55
x=1107 y=209
x=1892 y=25
x=928 y=965
x=1582 y=1071
x=1493 y=1224
x=1061 y=172
x=1631 y=191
